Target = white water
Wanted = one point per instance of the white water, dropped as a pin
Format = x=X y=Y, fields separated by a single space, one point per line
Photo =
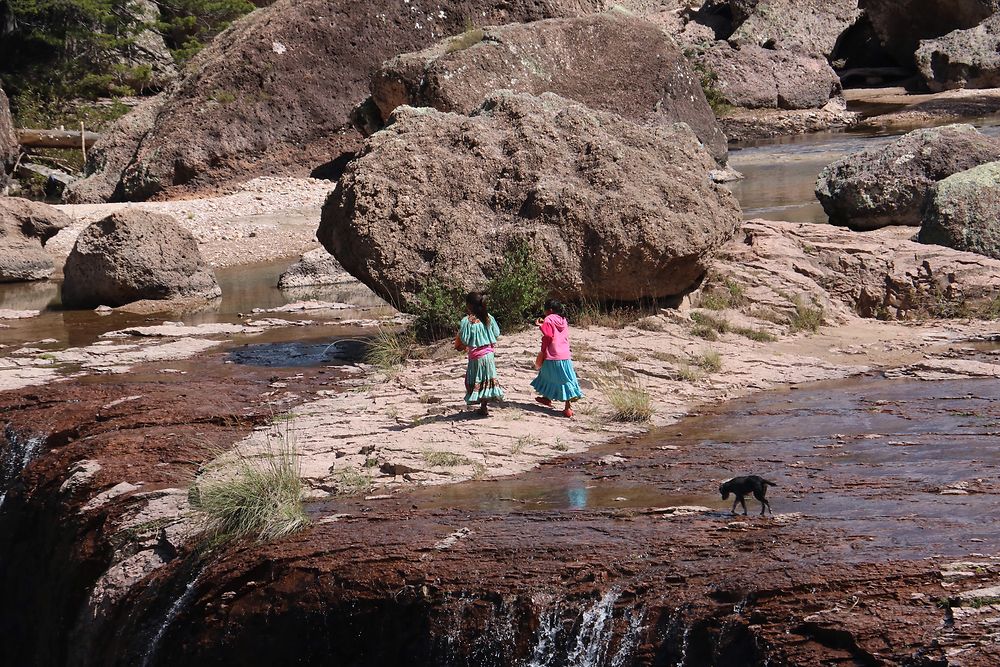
x=175 y=609
x=15 y=458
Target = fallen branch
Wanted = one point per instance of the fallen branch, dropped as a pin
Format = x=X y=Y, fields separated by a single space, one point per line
x=56 y=138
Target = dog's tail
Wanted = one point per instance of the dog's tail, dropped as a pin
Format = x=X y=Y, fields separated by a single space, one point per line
x=767 y=483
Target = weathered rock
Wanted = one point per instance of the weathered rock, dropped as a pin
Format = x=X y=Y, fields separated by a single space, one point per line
x=886 y=184
x=640 y=74
x=25 y=226
x=274 y=93
x=882 y=274
x=757 y=78
x=812 y=27
x=147 y=49
x=611 y=209
x=112 y=153
x=963 y=211
x=132 y=255
x=963 y=58
x=8 y=142
x=316 y=267
x=901 y=24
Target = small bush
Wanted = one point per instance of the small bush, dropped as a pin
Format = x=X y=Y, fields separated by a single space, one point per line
x=630 y=402
x=687 y=373
x=806 y=317
x=438 y=309
x=730 y=295
x=349 y=481
x=717 y=324
x=445 y=459
x=758 y=335
x=515 y=294
x=252 y=494
x=990 y=310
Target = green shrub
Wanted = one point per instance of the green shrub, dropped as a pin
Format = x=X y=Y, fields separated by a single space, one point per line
x=630 y=402
x=252 y=494
x=438 y=310
x=806 y=317
x=390 y=349
x=515 y=294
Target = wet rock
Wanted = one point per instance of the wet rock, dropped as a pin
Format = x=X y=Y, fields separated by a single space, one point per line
x=757 y=78
x=812 y=27
x=133 y=255
x=316 y=267
x=254 y=100
x=887 y=184
x=108 y=158
x=25 y=226
x=8 y=142
x=963 y=211
x=440 y=196
x=641 y=74
x=963 y=58
x=901 y=24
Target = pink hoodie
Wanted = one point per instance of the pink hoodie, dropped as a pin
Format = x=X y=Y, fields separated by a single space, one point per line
x=555 y=338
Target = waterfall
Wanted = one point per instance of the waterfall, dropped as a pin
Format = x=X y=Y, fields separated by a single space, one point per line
x=593 y=639
x=549 y=624
x=175 y=609
x=594 y=636
x=624 y=656
x=15 y=457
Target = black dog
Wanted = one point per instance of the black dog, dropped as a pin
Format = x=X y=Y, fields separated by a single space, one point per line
x=741 y=486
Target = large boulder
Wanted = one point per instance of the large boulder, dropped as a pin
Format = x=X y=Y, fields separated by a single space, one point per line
x=133 y=255
x=612 y=210
x=274 y=93
x=963 y=58
x=314 y=268
x=25 y=226
x=886 y=184
x=901 y=24
x=640 y=74
x=757 y=78
x=810 y=27
x=8 y=142
x=963 y=211
x=112 y=153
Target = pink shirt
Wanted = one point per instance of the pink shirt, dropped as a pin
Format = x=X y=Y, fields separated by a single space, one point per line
x=555 y=338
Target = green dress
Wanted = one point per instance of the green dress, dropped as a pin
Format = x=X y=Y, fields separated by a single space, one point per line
x=481 y=372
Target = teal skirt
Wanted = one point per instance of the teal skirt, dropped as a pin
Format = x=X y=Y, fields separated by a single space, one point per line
x=557 y=381
x=481 y=381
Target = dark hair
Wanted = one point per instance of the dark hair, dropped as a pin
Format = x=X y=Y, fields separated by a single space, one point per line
x=556 y=307
x=477 y=304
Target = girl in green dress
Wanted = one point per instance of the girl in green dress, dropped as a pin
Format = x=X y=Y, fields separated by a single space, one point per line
x=478 y=333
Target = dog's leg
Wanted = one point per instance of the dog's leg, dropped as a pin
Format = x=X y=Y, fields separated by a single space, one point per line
x=744 y=503
x=735 y=500
x=759 y=495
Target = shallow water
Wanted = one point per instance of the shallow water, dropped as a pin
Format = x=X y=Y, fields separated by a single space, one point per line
x=781 y=173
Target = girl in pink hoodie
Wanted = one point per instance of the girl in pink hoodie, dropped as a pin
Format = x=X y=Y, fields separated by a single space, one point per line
x=556 y=379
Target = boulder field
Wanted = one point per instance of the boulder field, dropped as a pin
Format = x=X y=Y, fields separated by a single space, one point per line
x=441 y=197
x=887 y=184
x=133 y=255
x=614 y=61
x=25 y=226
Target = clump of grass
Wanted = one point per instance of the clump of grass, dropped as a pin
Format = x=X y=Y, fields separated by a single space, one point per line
x=254 y=494
x=990 y=310
x=444 y=459
x=687 y=373
x=390 y=349
x=479 y=471
x=730 y=295
x=521 y=444
x=758 y=335
x=710 y=361
x=806 y=317
x=349 y=481
x=593 y=314
x=560 y=446
x=630 y=402
x=705 y=331
x=716 y=324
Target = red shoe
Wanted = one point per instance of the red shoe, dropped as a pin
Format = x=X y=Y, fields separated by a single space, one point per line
x=568 y=412
x=547 y=402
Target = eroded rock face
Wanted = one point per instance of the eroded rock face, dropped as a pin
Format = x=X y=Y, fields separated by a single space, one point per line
x=112 y=154
x=963 y=58
x=812 y=27
x=901 y=24
x=639 y=74
x=25 y=226
x=274 y=93
x=757 y=78
x=133 y=255
x=8 y=142
x=886 y=184
x=963 y=211
x=611 y=209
